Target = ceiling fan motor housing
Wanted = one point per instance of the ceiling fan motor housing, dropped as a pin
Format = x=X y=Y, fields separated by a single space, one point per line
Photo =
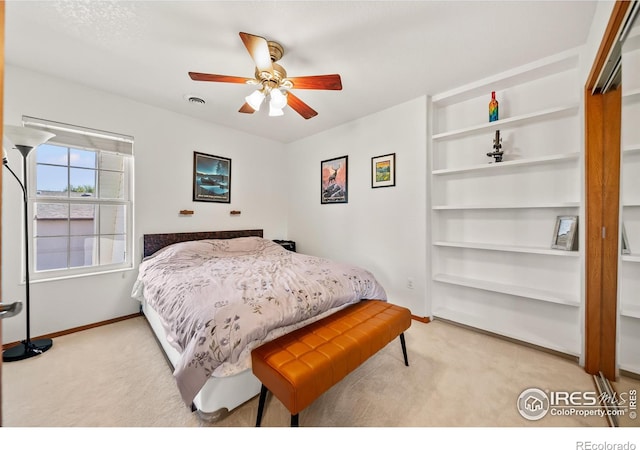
x=275 y=50
x=272 y=80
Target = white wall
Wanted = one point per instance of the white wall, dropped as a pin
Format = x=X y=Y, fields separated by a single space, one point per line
x=383 y=229
x=164 y=146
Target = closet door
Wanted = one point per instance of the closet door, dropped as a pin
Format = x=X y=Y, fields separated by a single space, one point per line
x=629 y=265
x=610 y=322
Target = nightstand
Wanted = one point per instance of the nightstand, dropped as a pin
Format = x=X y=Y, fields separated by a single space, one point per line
x=289 y=245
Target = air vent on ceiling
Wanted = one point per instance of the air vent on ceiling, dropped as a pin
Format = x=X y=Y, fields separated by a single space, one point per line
x=194 y=99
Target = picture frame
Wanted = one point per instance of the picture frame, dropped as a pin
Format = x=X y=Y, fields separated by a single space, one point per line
x=565 y=234
x=383 y=171
x=334 y=180
x=211 y=178
x=626 y=250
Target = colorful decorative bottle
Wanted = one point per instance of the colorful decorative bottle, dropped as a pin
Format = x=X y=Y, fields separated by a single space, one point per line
x=493 y=108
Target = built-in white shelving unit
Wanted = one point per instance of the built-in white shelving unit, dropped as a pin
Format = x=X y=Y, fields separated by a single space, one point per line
x=518 y=162
x=492 y=223
x=508 y=248
x=629 y=264
x=510 y=206
x=546 y=114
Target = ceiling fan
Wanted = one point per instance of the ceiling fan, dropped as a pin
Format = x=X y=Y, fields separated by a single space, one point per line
x=272 y=80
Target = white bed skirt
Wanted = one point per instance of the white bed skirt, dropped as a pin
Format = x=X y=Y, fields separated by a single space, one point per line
x=220 y=394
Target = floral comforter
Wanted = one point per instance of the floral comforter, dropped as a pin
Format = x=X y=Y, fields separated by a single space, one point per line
x=219 y=299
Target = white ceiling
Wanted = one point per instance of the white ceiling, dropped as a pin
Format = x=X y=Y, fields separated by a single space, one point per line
x=386 y=52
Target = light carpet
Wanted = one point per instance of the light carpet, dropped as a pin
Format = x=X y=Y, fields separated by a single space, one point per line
x=116 y=376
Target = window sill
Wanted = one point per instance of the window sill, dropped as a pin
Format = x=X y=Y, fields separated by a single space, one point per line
x=60 y=277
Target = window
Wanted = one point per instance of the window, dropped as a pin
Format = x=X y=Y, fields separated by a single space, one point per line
x=80 y=200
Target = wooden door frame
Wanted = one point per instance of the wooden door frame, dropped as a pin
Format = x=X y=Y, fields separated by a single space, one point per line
x=602 y=197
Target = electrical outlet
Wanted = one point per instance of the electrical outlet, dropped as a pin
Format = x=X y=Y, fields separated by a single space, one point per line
x=410 y=283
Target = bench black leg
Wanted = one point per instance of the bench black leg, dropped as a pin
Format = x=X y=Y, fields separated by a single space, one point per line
x=294 y=420
x=263 y=396
x=404 y=349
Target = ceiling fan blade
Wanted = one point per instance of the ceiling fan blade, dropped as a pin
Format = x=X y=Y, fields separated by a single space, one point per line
x=246 y=109
x=221 y=78
x=259 y=51
x=300 y=107
x=325 y=82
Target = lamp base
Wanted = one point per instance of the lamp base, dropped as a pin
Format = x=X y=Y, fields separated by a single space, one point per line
x=26 y=350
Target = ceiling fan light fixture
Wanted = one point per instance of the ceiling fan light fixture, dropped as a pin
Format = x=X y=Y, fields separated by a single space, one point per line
x=275 y=112
x=255 y=99
x=278 y=99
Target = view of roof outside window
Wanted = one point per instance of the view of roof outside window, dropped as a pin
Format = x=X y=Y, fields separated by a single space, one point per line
x=79 y=218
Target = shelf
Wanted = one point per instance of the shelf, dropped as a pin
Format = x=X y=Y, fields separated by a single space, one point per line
x=550 y=65
x=514 y=206
x=507 y=248
x=631 y=204
x=630 y=311
x=519 y=291
x=518 y=162
x=631 y=258
x=511 y=121
x=631 y=149
x=632 y=93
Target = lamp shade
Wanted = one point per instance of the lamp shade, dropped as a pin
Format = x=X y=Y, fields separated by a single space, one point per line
x=274 y=112
x=28 y=138
x=278 y=99
x=255 y=99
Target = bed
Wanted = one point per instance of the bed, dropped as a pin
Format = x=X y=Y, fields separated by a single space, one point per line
x=211 y=297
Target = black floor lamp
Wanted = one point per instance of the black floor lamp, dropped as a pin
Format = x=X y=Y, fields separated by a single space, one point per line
x=25 y=140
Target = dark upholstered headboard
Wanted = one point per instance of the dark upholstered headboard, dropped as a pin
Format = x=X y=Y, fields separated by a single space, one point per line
x=154 y=242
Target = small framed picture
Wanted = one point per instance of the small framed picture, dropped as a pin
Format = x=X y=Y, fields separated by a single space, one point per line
x=334 y=180
x=211 y=178
x=565 y=235
x=383 y=171
x=625 y=243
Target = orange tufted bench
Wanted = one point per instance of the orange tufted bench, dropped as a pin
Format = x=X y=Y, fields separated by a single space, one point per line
x=300 y=366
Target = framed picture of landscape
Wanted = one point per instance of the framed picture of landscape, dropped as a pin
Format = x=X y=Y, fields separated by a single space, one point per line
x=211 y=178
x=383 y=171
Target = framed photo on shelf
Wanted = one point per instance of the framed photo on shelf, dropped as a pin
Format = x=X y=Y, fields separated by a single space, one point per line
x=211 y=178
x=383 y=171
x=565 y=235
x=625 y=242
x=334 y=180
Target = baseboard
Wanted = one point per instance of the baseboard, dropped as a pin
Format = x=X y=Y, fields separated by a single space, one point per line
x=75 y=330
x=421 y=319
x=628 y=374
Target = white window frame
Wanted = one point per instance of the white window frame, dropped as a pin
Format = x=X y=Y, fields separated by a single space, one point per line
x=76 y=137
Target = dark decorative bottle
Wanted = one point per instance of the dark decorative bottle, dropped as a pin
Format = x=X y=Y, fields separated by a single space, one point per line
x=493 y=108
